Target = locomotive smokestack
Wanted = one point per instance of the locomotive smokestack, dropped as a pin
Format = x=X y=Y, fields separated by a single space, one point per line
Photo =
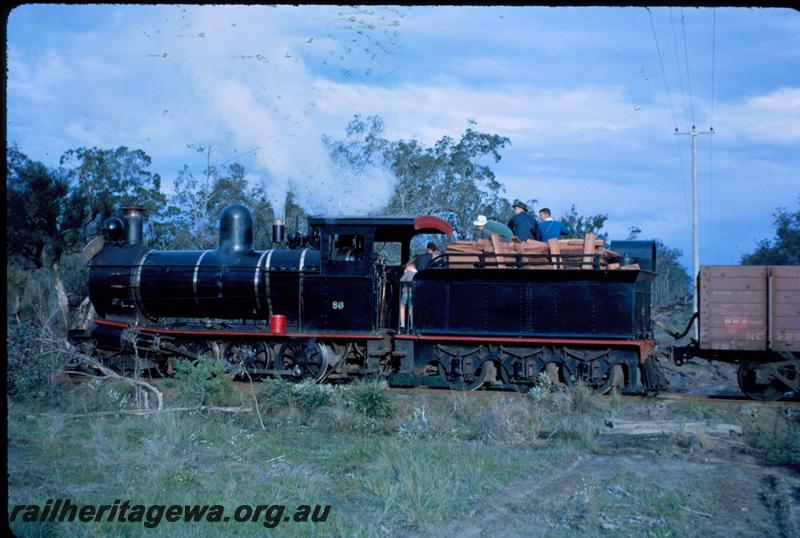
x=236 y=230
x=278 y=232
x=134 y=220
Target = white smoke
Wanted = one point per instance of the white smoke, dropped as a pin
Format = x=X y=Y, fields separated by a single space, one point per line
x=252 y=78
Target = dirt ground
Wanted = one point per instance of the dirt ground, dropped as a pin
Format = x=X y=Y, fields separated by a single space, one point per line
x=443 y=464
x=703 y=377
x=627 y=486
x=591 y=497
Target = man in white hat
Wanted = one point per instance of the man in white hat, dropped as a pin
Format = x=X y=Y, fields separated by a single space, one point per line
x=488 y=227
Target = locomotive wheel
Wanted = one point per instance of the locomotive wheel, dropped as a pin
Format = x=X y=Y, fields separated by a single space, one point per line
x=303 y=361
x=243 y=358
x=613 y=378
x=205 y=348
x=208 y=348
x=457 y=382
x=757 y=382
x=121 y=362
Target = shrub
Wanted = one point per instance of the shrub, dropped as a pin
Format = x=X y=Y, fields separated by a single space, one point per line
x=573 y=414
x=504 y=423
x=417 y=425
x=309 y=396
x=783 y=448
x=275 y=394
x=32 y=363
x=543 y=388
x=370 y=399
x=205 y=381
x=16 y=281
x=74 y=273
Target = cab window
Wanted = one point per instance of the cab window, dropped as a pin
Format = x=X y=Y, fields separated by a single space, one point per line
x=347 y=247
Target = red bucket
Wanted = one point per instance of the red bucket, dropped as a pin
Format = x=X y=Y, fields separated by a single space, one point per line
x=277 y=323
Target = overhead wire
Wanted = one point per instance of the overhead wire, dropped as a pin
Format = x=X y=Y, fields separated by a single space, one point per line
x=672 y=109
x=688 y=74
x=678 y=65
x=663 y=72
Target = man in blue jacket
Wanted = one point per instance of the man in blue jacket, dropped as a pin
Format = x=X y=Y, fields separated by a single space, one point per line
x=523 y=224
x=549 y=228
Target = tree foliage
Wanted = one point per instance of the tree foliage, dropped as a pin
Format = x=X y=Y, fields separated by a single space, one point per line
x=102 y=182
x=192 y=216
x=672 y=284
x=198 y=201
x=34 y=217
x=580 y=225
x=451 y=179
x=784 y=249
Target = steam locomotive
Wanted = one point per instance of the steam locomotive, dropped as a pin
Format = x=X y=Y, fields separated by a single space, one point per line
x=326 y=306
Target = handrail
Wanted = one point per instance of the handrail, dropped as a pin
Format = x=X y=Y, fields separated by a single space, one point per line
x=517 y=260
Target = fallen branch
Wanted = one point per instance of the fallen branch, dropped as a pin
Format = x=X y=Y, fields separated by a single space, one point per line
x=143 y=411
x=255 y=399
x=667 y=427
x=109 y=373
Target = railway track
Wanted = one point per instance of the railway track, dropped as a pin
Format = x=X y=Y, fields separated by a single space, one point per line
x=682 y=397
x=711 y=399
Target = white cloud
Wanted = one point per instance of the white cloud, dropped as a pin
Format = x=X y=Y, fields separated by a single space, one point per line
x=37 y=81
x=258 y=78
x=770 y=118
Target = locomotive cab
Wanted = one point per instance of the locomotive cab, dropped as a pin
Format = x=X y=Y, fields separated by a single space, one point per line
x=357 y=288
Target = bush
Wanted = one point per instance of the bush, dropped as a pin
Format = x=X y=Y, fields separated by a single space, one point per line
x=504 y=423
x=16 y=281
x=783 y=448
x=205 y=381
x=32 y=364
x=417 y=425
x=370 y=399
x=39 y=303
x=309 y=396
x=74 y=273
x=275 y=394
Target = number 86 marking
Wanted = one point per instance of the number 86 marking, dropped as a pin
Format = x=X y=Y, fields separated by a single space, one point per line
x=337 y=305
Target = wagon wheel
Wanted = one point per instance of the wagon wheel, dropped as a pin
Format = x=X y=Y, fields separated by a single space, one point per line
x=614 y=377
x=456 y=381
x=525 y=384
x=757 y=382
x=560 y=374
x=303 y=361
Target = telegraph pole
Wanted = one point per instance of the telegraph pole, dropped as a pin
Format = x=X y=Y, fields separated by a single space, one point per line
x=695 y=219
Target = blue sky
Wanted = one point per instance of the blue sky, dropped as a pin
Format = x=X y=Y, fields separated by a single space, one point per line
x=579 y=91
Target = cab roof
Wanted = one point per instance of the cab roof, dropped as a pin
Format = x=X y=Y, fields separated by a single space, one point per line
x=388 y=227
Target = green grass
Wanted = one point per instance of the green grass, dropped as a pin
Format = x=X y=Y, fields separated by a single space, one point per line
x=782 y=447
x=386 y=463
x=623 y=505
x=351 y=447
x=210 y=459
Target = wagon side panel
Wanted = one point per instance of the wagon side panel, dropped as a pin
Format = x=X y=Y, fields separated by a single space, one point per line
x=733 y=308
